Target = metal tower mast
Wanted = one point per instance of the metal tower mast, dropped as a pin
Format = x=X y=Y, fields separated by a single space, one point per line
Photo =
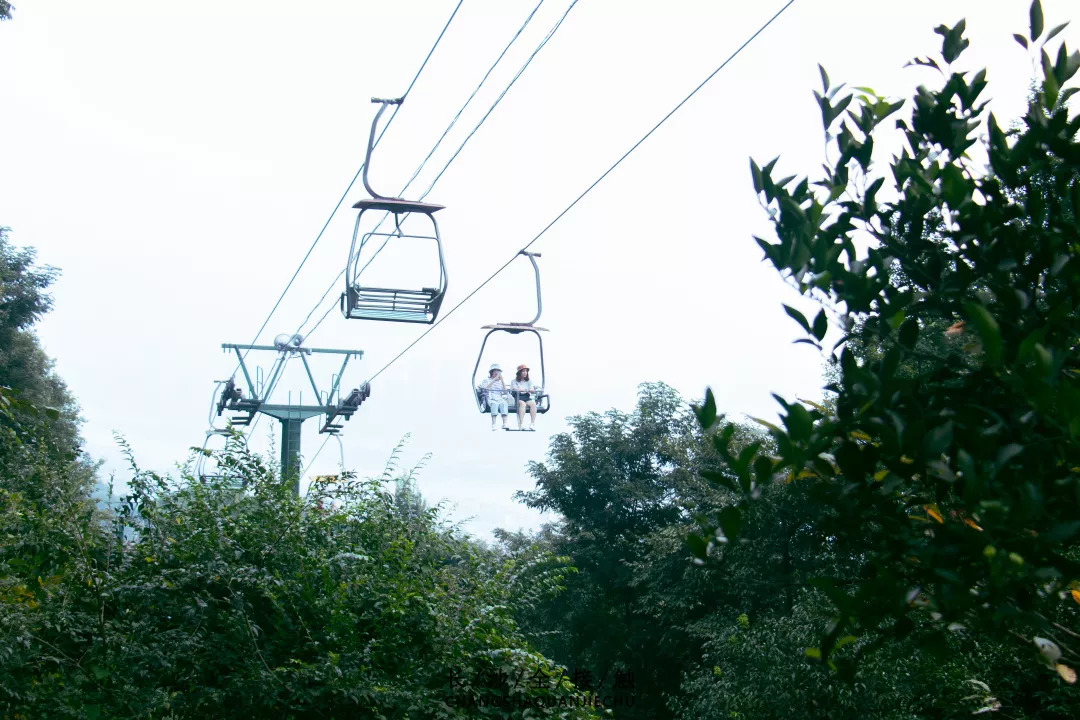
x=291 y=416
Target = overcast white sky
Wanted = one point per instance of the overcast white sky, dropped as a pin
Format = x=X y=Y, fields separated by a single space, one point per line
x=176 y=160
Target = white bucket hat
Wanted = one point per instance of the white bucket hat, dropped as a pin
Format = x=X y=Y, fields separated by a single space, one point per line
x=495 y=366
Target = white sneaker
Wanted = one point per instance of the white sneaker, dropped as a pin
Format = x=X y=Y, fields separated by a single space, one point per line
x=492 y=428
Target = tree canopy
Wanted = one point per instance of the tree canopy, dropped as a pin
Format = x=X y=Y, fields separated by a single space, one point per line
x=955 y=472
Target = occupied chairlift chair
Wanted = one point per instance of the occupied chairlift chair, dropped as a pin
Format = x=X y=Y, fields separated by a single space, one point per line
x=543 y=400
x=364 y=302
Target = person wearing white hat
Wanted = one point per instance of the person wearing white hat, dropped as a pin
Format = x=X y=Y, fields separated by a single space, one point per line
x=498 y=399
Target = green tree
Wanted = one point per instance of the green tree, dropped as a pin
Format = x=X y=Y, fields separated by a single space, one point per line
x=615 y=479
x=956 y=473
x=38 y=401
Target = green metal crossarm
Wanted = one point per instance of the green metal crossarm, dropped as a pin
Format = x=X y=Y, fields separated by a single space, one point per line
x=289 y=415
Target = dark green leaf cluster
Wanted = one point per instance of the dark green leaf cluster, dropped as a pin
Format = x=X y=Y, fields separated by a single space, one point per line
x=951 y=459
x=237 y=599
x=39 y=418
x=616 y=479
x=725 y=636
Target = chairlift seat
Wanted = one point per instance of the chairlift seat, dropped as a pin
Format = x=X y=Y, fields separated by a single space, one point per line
x=392 y=304
x=398 y=206
x=514 y=327
x=543 y=402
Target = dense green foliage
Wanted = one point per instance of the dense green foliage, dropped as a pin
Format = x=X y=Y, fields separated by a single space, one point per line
x=725 y=637
x=32 y=397
x=951 y=459
x=205 y=600
x=927 y=514
x=234 y=598
x=615 y=479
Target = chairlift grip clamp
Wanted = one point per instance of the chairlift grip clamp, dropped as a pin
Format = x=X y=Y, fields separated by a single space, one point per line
x=388 y=101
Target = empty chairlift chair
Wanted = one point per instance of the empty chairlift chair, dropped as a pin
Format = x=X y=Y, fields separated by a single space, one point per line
x=393 y=304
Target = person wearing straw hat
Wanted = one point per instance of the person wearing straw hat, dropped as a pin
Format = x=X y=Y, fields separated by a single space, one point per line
x=498 y=398
x=526 y=394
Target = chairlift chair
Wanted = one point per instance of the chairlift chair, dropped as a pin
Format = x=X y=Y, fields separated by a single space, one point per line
x=543 y=400
x=200 y=464
x=367 y=302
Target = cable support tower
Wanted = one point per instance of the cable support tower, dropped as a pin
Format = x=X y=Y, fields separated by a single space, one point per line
x=334 y=404
x=587 y=190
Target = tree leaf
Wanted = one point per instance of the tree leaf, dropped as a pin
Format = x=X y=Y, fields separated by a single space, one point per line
x=697 y=546
x=821 y=325
x=706 y=413
x=909 y=333
x=731 y=521
x=798 y=316
x=1053 y=33
x=755 y=173
x=1036 y=20
x=953 y=41
x=767 y=424
x=1007 y=453
x=938 y=440
x=720 y=478
x=988 y=330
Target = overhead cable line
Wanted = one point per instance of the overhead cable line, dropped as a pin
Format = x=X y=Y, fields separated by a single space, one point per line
x=355 y=177
x=460 y=147
x=457 y=152
x=311 y=462
x=587 y=190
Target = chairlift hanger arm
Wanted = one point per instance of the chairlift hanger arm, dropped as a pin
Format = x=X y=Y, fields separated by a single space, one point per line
x=539 y=302
x=536 y=269
x=383 y=104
